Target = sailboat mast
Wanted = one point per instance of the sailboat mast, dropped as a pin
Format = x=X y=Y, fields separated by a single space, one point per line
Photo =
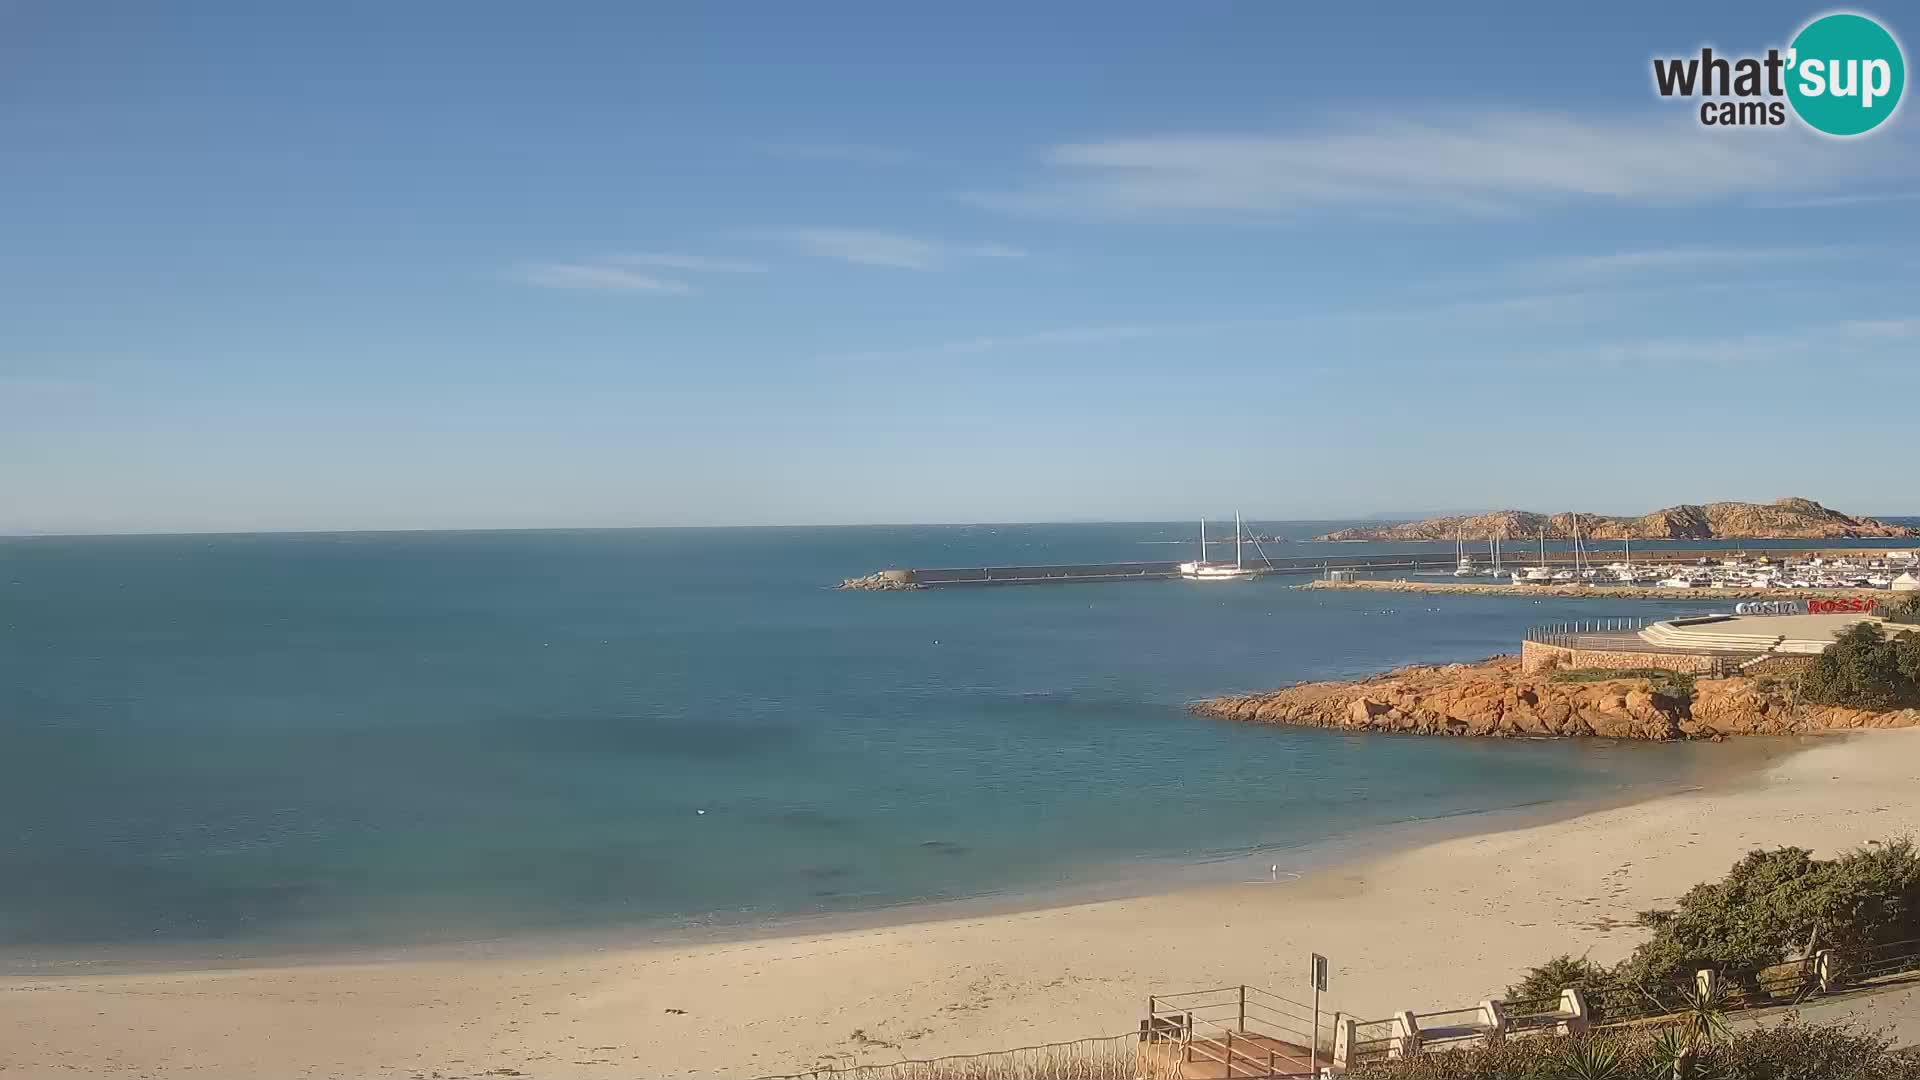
x=1203 y=541
x=1237 y=533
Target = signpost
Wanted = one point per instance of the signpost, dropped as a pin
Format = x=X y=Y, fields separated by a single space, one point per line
x=1319 y=977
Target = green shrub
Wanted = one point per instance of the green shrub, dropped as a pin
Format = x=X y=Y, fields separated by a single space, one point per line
x=1865 y=669
x=1792 y=1050
x=1559 y=973
x=1673 y=684
x=1772 y=907
x=1782 y=904
x=1904 y=608
x=1795 y=1050
x=1581 y=675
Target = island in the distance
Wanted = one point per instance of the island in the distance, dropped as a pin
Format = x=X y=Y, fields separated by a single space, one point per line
x=1793 y=519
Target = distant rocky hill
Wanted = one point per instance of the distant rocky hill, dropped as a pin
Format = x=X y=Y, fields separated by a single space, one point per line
x=1795 y=519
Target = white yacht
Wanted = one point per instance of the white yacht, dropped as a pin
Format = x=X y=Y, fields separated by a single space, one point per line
x=1536 y=575
x=1463 y=562
x=1202 y=570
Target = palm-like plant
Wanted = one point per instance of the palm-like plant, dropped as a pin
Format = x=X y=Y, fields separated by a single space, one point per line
x=1703 y=1014
x=1592 y=1059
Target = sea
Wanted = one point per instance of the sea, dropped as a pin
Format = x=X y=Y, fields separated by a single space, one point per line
x=232 y=745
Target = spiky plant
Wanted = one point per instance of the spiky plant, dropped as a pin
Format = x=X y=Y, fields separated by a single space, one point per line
x=1593 y=1059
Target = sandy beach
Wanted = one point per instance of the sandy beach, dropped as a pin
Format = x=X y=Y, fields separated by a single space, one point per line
x=1440 y=925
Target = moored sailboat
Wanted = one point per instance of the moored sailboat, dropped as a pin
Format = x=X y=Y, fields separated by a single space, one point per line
x=1202 y=570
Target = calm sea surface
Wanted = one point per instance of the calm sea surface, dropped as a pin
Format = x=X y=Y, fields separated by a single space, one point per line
x=350 y=739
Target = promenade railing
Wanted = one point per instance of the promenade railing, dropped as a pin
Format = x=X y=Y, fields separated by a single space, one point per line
x=1113 y=1057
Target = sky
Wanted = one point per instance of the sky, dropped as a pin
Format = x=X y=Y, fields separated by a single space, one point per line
x=436 y=265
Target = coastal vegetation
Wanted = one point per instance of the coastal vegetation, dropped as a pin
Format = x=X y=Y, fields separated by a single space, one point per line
x=1771 y=909
x=1792 y=1050
x=1673 y=685
x=1865 y=668
x=1799 y=519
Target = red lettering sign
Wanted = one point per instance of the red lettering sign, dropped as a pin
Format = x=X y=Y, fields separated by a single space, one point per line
x=1834 y=607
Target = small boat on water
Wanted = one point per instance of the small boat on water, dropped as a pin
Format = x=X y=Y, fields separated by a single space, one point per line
x=1202 y=570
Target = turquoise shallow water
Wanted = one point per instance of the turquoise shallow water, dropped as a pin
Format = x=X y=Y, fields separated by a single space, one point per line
x=352 y=739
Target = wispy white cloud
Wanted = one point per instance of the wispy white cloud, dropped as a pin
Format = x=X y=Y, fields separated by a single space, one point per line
x=633 y=272
x=1881 y=328
x=1475 y=162
x=1862 y=198
x=857 y=153
x=1545 y=305
x=878 y=247
x=1617 y=263
x=1072 y=335
x=699 y=264
x=1852 y=342
x=600 y=277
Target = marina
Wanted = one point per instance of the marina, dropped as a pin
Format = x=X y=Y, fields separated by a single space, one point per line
x=1815 y=567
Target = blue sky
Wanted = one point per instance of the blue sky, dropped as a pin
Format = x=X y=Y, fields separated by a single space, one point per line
x=362 y=265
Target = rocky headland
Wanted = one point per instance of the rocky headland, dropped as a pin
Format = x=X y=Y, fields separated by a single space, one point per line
x=1791 y=519
x=1494 y=698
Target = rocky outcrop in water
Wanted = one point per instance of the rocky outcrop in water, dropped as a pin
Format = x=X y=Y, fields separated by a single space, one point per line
x=1797 y=519
x=1494 y=698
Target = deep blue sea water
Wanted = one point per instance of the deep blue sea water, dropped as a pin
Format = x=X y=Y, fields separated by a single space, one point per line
x=346 y=739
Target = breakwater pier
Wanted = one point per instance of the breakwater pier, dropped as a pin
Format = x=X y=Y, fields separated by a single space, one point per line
x=1374 y=563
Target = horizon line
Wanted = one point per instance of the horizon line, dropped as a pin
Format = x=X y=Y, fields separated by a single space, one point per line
x=1377 y=519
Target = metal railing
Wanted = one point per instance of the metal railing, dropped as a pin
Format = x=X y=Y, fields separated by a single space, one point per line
x=1452 y=1027
x=1245 y=1030
x=1373 y=1040
x=1112 y=1057
x=1527 y=1016
x=1565 y=632
x=1880 y=962
x=1779 y=984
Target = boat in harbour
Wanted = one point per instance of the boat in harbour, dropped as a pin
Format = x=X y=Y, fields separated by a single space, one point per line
x=1202 y=570
x=1536 y=575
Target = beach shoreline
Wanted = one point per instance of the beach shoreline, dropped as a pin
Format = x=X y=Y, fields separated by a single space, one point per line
x=1725 y=767
x=1439 y=924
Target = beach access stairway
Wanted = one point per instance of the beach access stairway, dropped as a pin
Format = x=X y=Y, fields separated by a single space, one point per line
x=1230 y=1033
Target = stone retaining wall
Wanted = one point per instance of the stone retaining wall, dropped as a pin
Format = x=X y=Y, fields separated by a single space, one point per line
x=1538 y=656
x=1780 y=664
